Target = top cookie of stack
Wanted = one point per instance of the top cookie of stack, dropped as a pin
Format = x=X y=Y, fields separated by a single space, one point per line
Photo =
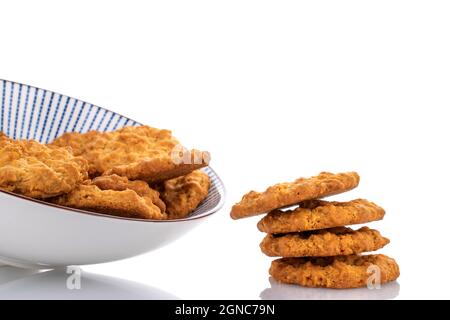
x=291 y=193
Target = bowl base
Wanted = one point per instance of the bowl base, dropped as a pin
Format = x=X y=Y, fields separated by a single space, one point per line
x=20 y=264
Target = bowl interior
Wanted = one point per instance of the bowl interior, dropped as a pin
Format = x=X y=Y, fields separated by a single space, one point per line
x=27 y=112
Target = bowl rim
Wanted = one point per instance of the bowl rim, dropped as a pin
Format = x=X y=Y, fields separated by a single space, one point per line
x=66 y=95
x=103 y=215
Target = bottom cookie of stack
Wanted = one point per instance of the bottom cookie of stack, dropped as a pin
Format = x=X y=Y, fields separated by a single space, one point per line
x=339 y=272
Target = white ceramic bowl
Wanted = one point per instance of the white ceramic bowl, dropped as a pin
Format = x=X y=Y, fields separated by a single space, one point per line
x=36 y=234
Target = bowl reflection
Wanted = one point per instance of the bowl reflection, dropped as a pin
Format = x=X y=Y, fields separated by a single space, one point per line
x=72 y=284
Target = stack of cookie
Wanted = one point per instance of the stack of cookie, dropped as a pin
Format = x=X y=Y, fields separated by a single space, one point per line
x=317 y=249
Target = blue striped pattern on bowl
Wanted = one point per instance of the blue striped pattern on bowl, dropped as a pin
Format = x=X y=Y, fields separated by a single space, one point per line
x=27 y=112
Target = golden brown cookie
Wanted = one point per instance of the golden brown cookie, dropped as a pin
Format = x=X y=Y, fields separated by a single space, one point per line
x=287 y=194
x=138 y=153
x=340 y=272
x=118 y=183
x=35 y=170
x=125 y=203
x=318 y=214
x=323 y=243
x=3 y=136
x=182 y=195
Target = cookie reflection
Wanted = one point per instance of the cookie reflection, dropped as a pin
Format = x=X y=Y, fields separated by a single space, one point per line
x=58 y=284
x=279 y=291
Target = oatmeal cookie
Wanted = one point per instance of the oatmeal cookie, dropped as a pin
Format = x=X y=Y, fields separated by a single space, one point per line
x=318 y=214
x=118 y=183
x=4 y=137
x=138 y=153
x=288 y=194
x=35 y=170
x=340 y=272
x=182 y=195
x=323 y=243
x=126 y=203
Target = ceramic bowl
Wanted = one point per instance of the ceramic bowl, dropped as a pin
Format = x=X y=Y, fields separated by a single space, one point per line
x=36 y=234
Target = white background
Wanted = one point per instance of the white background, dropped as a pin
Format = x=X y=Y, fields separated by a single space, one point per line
x=275 y=90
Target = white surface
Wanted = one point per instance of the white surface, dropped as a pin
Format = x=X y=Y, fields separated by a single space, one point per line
x=275 y=91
